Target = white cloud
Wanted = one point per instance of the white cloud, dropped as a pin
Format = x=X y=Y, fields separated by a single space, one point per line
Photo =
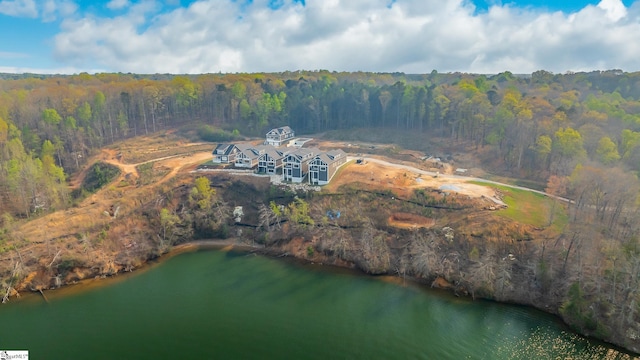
x=413 y=36
x=615 y=9
x=48 y=10
x=40 y=70
x=19 y=8
x=52 y=9
x=12 y=55
x=117 y=4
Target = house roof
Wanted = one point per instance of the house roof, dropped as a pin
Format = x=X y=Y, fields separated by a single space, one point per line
x=281 y=130
x=324 y=157
x=331 y=156
x=253 y=151
x=336 y=154
x=223 y=149
x=273 y=152
x=303 y=153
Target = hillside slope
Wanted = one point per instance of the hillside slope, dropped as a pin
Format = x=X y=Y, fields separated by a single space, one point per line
x=395 y=217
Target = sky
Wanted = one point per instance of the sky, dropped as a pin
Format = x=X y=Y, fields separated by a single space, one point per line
x=229 y=36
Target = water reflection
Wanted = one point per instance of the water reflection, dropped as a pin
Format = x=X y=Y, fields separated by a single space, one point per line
x=225 y=305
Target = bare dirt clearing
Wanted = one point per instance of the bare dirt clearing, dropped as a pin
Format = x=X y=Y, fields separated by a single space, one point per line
x=410 y=221
x=403 y=180
x=402 y=171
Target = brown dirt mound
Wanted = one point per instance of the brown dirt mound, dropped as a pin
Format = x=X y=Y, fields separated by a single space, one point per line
x=407 y=220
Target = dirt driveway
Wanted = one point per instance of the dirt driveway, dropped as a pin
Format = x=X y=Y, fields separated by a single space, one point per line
x=405 y=179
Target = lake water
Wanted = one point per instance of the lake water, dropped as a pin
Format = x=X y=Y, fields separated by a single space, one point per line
x=226 y=305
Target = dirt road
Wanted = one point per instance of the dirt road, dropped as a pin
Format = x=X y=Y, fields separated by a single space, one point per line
x=458 y=180
x=404 y=179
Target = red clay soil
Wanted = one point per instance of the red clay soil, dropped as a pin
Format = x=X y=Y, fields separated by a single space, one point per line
x=410 y=221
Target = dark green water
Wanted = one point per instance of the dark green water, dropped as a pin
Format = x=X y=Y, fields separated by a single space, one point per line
x=220 y=305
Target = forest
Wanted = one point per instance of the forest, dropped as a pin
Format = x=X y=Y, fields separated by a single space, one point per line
x=574 y=135
x=540 y=127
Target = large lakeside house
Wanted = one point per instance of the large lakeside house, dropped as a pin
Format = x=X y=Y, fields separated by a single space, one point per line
x=279 y=136
x=248 y=155
x=225 y=153
x=295 y=163
x=271 y=161
x=323 y=166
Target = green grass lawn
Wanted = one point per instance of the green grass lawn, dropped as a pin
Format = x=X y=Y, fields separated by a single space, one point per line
x=530 y=208
x=518 y=182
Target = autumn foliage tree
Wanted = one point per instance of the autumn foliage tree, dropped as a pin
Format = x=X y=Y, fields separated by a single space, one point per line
x=208 y=211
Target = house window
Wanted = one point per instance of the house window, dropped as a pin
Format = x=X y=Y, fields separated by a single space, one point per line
x=323 y=168
x=296 y=166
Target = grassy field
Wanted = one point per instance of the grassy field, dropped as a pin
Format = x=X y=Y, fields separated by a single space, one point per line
x=531 y=208
x=517 y=182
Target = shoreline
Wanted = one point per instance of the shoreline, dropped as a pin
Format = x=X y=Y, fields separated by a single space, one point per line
x=101 y=280
x=88 y=284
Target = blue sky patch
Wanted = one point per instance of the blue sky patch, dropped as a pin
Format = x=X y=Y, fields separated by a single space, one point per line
x=566 y=6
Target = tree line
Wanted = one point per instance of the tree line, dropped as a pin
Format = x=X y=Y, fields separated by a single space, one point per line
x=536 y=125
